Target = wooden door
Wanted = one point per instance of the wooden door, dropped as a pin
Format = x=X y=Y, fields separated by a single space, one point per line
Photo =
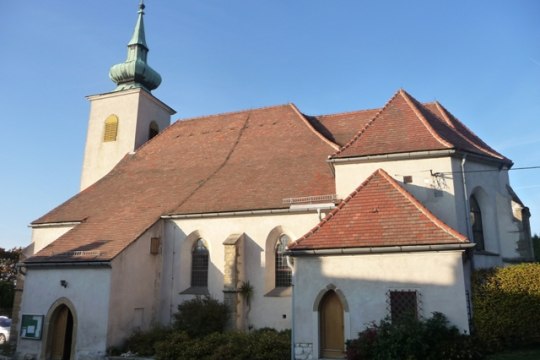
x=332 y=339
x=61 y=334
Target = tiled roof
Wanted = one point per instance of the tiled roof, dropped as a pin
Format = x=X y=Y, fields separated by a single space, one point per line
x=238 y=161
x=340 y=128
x=405 y=125
x=248 y=160
x=378 y=213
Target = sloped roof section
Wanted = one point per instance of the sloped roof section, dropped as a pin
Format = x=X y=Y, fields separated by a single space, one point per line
x=405 y=125
x=230 y=162
x=379 y=213
x=341 y=128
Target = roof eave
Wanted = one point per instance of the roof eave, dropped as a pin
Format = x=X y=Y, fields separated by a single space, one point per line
x=379 y=249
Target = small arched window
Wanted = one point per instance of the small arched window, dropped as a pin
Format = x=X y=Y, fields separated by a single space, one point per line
x=153 y=130
x=111 y=128
x=283 y=271
x=476 y=224
x=199 y=265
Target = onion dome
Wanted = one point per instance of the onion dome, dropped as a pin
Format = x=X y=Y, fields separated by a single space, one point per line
x=135 y=72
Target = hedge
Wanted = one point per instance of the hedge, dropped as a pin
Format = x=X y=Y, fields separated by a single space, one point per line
x=506 y=306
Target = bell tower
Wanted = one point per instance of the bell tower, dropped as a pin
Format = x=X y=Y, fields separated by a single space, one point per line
x=122 y=120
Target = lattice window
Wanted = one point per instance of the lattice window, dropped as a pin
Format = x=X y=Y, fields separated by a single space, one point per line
x=283 y=271
x=111 y=128
x=199 y=265
x=403 y=303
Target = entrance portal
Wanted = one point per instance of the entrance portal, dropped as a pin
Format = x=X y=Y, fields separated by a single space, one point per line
x=332 y=339
x=60 y=334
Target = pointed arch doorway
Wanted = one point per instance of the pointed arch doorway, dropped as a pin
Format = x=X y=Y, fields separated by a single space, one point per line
x=60 y=334
x=331 y=327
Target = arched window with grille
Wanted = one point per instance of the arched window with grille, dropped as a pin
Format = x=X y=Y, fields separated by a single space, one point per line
x=476 y=224
x=283 y=271
x=110 y=131
x=199 y=264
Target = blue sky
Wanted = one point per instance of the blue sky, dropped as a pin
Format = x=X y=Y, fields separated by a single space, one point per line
x=480 y=59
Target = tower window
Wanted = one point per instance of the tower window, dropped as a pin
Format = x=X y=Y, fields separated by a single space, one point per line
x=153 y=130
x=111 y=128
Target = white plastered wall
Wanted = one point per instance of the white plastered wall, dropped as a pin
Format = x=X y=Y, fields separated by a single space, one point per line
x=135 y=287
x=44 y=235
x=87 y=290
x=266 y=311
x=135 y=109
x=434 y=192
x=364 y=281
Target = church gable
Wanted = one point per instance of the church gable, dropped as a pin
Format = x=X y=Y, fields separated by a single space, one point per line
x=379 y=213
x=405 y=125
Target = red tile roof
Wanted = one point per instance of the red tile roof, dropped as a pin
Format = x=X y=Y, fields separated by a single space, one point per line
x=378 y=213
x=237 y=161
x=248 y=160
x=404 y=125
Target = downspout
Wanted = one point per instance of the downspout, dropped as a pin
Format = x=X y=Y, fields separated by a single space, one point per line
x=293 y=282
x=466 y=198
x=469 y=235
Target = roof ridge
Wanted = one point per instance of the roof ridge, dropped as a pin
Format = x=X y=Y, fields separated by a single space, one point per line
x=445 y=113
x=310 y=127
x=432 y=217
x=411 y=102
x=230 y=113
x=366 y=126
x=345 y=112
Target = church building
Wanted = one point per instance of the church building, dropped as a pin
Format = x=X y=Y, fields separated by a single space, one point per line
x=335 y=220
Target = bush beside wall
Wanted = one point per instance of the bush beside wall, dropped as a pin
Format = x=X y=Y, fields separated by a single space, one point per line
x=506 y=305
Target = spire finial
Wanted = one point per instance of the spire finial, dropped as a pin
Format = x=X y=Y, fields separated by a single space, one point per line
x=135 y=72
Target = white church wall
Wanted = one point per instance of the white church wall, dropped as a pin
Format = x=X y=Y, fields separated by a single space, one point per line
x=87 y=290
x=488 y=183
x=434 y=192
x=365 y=280
x=266 y=311
x=44 y=235
x=135 y=288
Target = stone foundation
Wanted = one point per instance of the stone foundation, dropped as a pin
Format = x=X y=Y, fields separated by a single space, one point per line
x=303 y=351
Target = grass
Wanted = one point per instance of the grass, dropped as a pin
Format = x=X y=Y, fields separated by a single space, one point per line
x=533 y=354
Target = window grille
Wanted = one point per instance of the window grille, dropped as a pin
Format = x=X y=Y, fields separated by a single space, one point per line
x=199 y=265
x=283 y=271
x=111 y=128
x=403 y=303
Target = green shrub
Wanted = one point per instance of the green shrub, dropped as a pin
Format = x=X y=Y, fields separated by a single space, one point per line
x=143 y=342
x=506 y=304
x=201 y=316
x=412 y=339
x=258 y=345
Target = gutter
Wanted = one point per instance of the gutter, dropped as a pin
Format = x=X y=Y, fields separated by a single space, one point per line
x=55 y=224
x=303 y=209
x=54 y=265
x=379 y=250
x=394 y=156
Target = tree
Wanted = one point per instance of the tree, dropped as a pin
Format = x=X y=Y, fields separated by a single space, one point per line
x=536 y=246
x=8 y=275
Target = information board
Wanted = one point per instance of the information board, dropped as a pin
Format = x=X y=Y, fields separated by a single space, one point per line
x=31 y=326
